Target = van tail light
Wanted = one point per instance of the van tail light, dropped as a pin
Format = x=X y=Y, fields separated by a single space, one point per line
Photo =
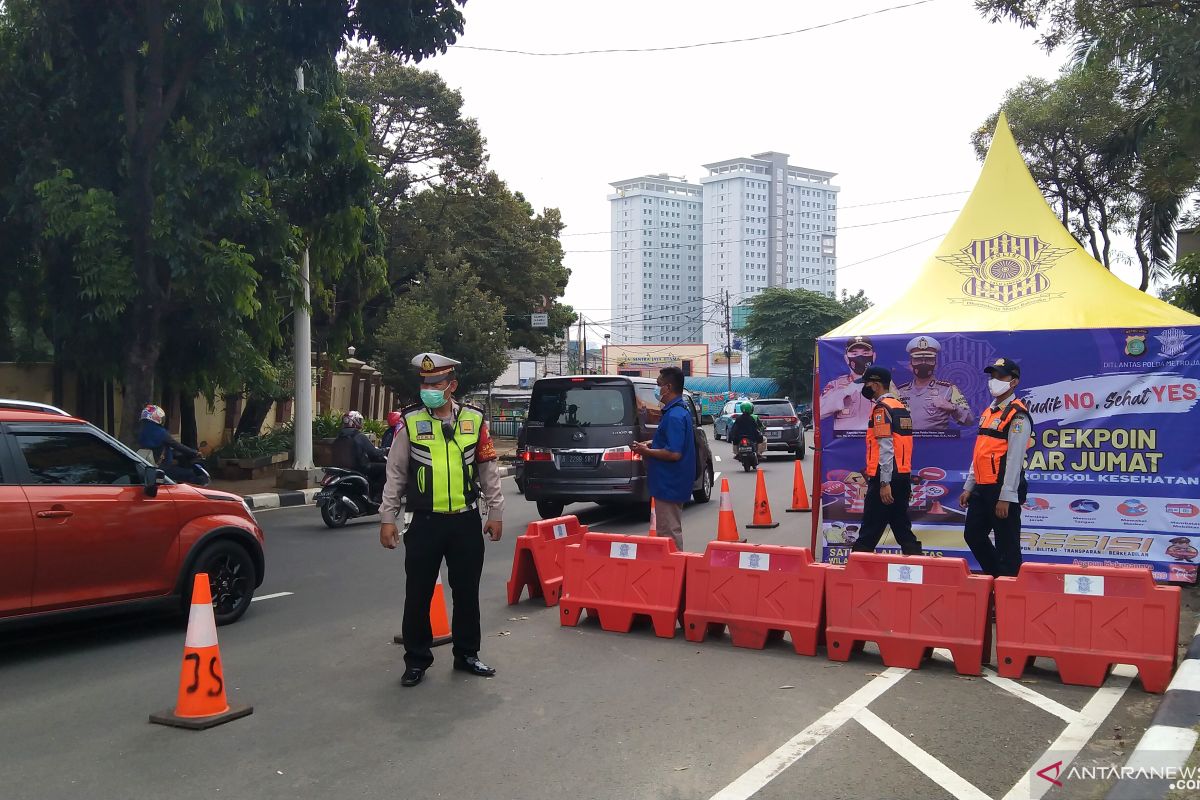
x=794 y=420
x=620 y=454
x=537 y=454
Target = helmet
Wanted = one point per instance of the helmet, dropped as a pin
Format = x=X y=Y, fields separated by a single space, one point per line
x=352 y=419
x=393 y=418
x=154 y=413
x=747 y=407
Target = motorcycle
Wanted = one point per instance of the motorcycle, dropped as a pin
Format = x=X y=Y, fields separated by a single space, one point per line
x=188 y=469
x=747 y=455
x=345 y=494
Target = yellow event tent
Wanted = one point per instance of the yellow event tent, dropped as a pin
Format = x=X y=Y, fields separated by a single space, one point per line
x=1111 y=374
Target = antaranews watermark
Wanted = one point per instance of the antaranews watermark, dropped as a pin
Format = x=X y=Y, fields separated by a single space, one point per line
x=1052 y=772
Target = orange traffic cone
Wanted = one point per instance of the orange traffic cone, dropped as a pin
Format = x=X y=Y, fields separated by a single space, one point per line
x=653 y=520
x=439 y=620
x=727 y=529
x=936 y=508
x=800 y=501
x=762 y=506
x=201 y=703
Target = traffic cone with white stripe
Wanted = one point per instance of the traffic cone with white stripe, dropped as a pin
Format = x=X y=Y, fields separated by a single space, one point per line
x=653 y=520
x=727 y=529
x=201 y=703
x=439 y=618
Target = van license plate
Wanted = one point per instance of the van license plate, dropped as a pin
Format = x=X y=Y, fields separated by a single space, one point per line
x=577 y=459
x=774 y=434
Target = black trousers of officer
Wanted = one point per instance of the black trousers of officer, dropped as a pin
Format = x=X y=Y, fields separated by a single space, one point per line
x=1004 y=557
x=877 y=516
x=458 y=538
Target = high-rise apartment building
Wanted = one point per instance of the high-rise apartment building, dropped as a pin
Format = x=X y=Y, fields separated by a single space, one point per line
x=766 y=224
x=656 y=268
x=677 y=247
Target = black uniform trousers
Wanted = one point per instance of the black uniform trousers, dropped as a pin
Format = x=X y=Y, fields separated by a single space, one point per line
x=458 y=538
x=1004 y=557
x=877 y=516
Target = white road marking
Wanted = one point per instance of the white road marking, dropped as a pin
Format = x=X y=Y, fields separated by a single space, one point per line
x=270 y=596
x=1187 y=677
x=935 y=770
x=716 y=477
x=1038 y=699
x=716 y=458
x=1076 y=735
x=762 y=773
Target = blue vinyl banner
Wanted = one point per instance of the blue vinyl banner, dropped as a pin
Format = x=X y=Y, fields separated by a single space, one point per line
x=1113 y=468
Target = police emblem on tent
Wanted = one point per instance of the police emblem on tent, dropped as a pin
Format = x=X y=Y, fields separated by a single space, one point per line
x=1172 y=342
x=1006 y=272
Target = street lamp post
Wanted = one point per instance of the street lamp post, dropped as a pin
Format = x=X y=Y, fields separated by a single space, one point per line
x=302 y=363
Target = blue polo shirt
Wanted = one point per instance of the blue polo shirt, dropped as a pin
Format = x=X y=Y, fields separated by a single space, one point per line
x=672 y=480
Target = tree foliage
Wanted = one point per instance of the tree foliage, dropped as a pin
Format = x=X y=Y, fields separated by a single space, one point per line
x=1153 y=49
x=162 y=172
x=783 y=326
x=447 y=312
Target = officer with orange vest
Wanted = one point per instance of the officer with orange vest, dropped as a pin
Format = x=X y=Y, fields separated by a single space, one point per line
x=889 y=467
x=995 y=487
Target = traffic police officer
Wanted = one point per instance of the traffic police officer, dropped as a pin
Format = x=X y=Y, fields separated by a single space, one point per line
x=841 y=398
x=442 y=461
x=995 y=487
x=932 y=402
x=889 y=467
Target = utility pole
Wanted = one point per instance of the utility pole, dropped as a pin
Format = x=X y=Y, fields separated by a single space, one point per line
x=580 y=369
x=302 y=359
x=728 y=349
x=583 y=340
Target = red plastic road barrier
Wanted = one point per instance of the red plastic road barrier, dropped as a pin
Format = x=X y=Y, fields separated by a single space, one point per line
x=758 y=591
x=908 y=605
x=540 y=557
x=615 y=577
x=1087 y=619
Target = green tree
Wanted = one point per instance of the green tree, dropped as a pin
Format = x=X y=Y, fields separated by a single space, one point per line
x=1185 y=292
x=133 y=215
x=446 y=312
x=783 y=326
x=1154 y=47
x=1062 y=128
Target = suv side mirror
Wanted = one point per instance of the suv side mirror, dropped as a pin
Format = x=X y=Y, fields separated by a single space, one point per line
x=150 y=481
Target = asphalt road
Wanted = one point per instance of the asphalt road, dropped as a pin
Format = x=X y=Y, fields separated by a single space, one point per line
x=573 y=712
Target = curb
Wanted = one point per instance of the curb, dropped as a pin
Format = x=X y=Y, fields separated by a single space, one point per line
x=305 y=497
x=1168 y=742
x=300 y=497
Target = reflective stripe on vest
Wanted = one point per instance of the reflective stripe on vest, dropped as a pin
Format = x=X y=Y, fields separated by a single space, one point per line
x=899 y=422
x=441 y=470
x=991 y=443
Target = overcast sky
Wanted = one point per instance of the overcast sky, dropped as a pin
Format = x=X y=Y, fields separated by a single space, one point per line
x=888 y=102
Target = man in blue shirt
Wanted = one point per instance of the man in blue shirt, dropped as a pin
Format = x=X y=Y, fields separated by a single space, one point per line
x=671 y=456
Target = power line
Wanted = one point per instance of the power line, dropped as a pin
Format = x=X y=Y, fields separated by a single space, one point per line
x=773 y=216
x=890 y=252
x=694 y=45
x=765 y=237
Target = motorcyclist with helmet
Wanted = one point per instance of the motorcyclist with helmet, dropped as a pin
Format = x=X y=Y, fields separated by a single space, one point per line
x=747 y=426
x=154 y=441
x=393 y=419
x=353 y=450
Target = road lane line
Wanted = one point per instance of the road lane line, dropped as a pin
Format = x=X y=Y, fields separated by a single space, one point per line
x=762 y=773
x=1067 y=746
x=716 y=477
x=1037 y=698
x=933 y=769
x=717 y=458
x=270 y=596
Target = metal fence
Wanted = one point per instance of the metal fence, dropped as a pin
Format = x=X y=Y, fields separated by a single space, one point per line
x=504 y=428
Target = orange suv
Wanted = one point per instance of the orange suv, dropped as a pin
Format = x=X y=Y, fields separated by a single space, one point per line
x=86 y=523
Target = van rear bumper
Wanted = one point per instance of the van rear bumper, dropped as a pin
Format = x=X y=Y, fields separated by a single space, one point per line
x=583 y=490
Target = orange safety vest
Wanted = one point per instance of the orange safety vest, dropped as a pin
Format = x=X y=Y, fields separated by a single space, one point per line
x=991 y=444
x=890 y=417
